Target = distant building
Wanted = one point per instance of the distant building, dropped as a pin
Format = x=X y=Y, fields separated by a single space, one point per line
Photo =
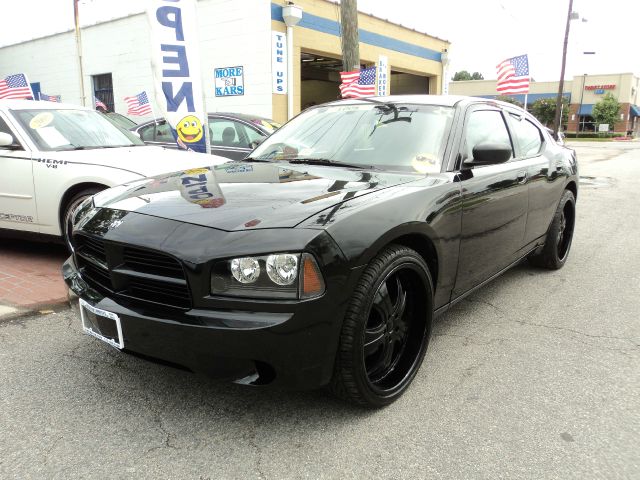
x=583 y=92
x=116 y=57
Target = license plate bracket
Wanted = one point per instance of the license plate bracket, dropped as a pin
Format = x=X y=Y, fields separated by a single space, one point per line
x=101 y=324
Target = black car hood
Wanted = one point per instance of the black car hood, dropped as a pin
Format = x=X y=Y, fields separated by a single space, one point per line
x=242 y=195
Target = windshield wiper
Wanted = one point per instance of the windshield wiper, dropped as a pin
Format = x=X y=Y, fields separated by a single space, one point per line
x=326 y=161
x=252 y=159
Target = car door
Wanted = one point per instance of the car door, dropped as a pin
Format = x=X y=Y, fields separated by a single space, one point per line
x=544 y=179
x=494 y=202
x=17 y=196
x=229 y=138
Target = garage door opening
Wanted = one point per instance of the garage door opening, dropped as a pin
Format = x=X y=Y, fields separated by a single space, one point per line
x=408 y=83
x=320 y=79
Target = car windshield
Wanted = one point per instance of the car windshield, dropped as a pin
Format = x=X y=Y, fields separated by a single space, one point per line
x=55 y=130
x=387 y=136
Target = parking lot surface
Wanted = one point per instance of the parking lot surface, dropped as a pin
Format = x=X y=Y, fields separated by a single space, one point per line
x=535 y=375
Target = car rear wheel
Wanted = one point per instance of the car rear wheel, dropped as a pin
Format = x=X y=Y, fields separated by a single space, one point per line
x=386 y=329
x=69 y=208
x=556 y=248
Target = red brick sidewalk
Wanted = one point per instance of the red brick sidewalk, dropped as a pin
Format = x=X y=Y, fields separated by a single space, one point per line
x=30 y=274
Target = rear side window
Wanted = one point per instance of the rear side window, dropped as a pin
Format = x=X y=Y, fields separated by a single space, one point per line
x=146 y=133
x=528 y=136
x=485 y=126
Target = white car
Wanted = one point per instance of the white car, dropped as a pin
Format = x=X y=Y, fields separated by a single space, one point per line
x=53 y=156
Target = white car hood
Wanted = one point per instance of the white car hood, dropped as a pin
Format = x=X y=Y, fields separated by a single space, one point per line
x=147 y=161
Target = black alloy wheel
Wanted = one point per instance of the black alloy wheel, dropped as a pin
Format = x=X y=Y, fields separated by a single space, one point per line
x=557 y=244
x=386 y=329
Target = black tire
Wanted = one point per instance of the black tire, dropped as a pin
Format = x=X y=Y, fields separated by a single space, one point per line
x=392 y=306
x=70 y=206
x=555 y=251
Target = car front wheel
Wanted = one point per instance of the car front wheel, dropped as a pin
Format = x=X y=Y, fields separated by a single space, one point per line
x=386 y=329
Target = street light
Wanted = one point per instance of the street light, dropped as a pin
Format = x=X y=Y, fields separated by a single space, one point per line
x=291 y=14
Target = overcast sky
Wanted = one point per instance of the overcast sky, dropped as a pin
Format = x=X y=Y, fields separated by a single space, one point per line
x=482 y=32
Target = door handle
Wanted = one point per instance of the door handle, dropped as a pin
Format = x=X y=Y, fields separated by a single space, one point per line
x=522 y=177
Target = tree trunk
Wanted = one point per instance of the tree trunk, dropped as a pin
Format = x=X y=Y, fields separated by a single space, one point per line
x=349 y=35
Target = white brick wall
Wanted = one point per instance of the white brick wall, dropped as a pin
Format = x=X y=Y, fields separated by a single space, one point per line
x=231 y=33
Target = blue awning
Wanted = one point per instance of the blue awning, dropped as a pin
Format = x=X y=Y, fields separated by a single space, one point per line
x=635 y=111
x=586 y=109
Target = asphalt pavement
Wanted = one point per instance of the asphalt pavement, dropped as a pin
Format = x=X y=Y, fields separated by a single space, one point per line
x=537 y=375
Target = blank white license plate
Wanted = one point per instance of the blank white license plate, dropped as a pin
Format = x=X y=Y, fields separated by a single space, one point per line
x=101 y=324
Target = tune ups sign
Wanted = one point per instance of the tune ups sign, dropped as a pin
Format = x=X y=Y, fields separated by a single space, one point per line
x=175 y=63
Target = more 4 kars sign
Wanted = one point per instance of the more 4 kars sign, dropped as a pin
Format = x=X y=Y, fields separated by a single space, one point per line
x=229 y=81
x=175 y=63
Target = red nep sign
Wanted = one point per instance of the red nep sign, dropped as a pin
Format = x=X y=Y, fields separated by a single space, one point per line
x=600 y=87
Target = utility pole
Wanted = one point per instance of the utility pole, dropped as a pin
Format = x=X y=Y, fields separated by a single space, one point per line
x=349 y=35
x=558 y=118
x=76 y=21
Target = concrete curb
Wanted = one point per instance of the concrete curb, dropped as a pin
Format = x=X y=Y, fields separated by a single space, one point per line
x=10 y=312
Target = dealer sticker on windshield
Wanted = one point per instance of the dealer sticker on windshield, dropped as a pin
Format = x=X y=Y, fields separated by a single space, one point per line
x=101 y=324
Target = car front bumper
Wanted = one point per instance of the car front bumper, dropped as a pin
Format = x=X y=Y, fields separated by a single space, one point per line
x=294 y=348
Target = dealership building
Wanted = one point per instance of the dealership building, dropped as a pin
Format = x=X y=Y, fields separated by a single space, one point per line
x=583 y=92
x=244 y=44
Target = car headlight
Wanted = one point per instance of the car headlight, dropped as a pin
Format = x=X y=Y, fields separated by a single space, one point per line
x=277 y=276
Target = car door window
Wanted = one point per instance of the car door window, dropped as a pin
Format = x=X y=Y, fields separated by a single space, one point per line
x=228 y=133
x=485 y=126
x=147 y=133
x=253 y=135
x=163 y=133
x=528 y=136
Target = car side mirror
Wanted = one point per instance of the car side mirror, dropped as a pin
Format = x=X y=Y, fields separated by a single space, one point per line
x=6 y=141
x=489 y=154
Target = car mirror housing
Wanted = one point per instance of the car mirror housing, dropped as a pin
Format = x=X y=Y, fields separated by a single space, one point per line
x=489 y=154
x=6 y=140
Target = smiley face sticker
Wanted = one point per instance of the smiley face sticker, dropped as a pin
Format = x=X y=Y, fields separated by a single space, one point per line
x=189 y=129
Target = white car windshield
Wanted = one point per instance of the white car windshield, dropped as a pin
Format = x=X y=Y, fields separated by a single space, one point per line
x=55 y=130
x=374 y=134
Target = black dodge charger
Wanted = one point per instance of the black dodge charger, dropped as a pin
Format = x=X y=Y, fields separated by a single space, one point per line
x=323 y=258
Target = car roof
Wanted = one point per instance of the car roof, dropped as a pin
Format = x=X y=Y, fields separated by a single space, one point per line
x=37 y=105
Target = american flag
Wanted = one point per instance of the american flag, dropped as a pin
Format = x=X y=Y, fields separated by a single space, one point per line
x=98 y=103
x=50 y=98
x=138 y=104
x=513 y=75
x=15 y=86
x=359 y=83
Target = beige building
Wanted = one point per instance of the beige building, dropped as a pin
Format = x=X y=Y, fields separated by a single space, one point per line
x=583 y=92
x=246 y=36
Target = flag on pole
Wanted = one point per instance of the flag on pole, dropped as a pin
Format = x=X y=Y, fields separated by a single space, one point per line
x=358 y=84
x=98 y=103
x=138 y=104
x=513 y=75
x=15 y=86
x=49 y=98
